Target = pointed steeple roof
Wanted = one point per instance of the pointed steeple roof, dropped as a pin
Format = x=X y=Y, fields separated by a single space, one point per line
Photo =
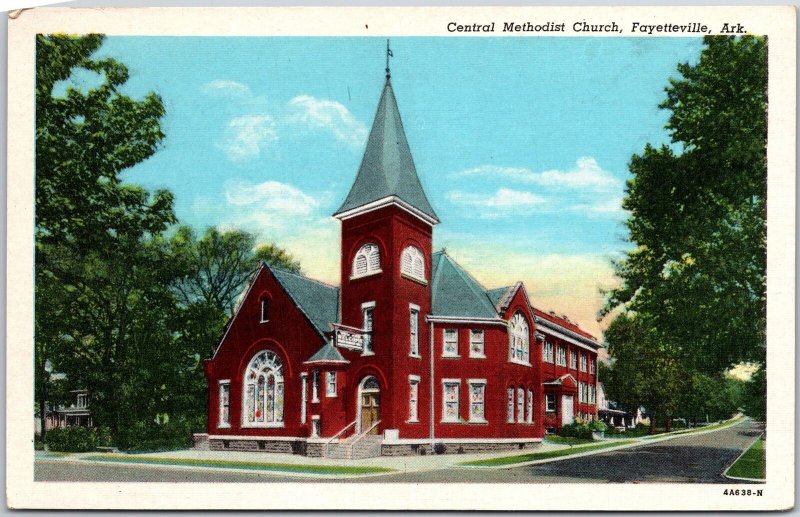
x=387 y=173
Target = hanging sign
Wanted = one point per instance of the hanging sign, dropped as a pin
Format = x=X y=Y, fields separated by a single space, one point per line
x=349 y=337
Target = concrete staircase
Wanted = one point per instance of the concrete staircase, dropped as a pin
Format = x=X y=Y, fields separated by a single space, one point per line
x=356 y=447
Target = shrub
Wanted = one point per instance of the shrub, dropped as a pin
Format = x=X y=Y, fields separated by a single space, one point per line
x=72 y=439
x=576 y=430
x=439 y=448
x=597 y=426
x=142 y=436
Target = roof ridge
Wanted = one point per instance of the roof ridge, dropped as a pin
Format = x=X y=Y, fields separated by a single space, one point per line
x=304 y=277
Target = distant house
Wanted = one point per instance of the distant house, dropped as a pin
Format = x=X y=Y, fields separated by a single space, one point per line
x=612 y=414
x=76 y=414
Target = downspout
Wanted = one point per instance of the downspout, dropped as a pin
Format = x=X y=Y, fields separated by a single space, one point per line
x=432 y=391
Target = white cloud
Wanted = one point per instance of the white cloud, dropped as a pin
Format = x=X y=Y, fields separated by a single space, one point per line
x=586 y=175
x=502 y=203
x=329 y=115
x=227 y=87
x=607 y=206
x=270 y=196
x=247 y=136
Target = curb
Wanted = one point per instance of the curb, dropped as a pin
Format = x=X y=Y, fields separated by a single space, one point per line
x=638 y=443
x=754 y=480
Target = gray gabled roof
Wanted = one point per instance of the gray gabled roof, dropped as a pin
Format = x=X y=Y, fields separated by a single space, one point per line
x=455 y=293
x=498 y=294
x=318 y=301
x=327 y=354
x=387 y=168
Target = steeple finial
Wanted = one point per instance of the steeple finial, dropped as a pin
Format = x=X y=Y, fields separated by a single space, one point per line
x=388 y=55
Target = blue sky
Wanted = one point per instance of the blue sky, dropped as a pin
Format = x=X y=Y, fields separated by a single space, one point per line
x=522 y=144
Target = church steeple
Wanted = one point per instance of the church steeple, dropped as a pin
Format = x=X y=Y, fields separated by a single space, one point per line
x=387 y=174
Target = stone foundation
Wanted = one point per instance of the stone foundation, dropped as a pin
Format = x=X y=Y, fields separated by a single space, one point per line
x=406 y=449
x=314 y=449
x=200 y=441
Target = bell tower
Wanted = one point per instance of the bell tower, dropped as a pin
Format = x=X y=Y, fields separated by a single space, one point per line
x=387 y=231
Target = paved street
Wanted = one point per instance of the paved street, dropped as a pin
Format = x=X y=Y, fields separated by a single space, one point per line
x=689 y=459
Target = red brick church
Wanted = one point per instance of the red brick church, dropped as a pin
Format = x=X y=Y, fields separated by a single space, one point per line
x=409 y=355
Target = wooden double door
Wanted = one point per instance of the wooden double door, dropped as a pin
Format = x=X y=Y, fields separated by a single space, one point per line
x=370 y=410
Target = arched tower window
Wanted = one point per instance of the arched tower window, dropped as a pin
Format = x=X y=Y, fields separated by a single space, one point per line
x=518 y=341
x=412 y=263
x=367 y=260
x=263 y=391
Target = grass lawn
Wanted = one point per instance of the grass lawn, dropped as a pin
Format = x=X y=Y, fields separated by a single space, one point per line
x=752 y=464
x=566 y=440
x=246 y=465
x=510 y=460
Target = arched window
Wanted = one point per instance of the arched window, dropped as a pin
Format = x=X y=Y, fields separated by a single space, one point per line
x=412 y=263
x=263 y=391
x=367 y=260
x=518 y=342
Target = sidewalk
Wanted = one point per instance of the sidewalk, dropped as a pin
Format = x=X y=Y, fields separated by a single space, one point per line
x=308 y=467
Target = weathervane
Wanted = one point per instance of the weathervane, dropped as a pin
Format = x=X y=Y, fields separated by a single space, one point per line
x=388 y=55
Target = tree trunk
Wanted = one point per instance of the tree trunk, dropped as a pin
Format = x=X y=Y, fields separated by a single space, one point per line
x=667 y=423
x=652 y=424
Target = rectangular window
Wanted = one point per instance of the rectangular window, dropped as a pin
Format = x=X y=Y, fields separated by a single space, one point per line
x=476 y=343
x=330 y=384
x=368 y=310
x=520 y=405
x=303 y=397
x=316 y=428
x=413 y=398
x=592 y=366
x=592 y=394
x=315 y=386
x=561 y=357
x=583 y=362
x=450 y=348
x=264 y=310
x=550 y=402
x=414 y=328
x=530 y=406
x=477 y=397
x=580 y=391
x=547 y=352
x=510 y=417
x=224 y=404
x=450 y=400
x=573 y=360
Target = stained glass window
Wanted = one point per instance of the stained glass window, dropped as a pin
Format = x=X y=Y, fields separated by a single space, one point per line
x=450 y=343
x=263 y=390
x=530 y=406
x=477 y=391
x=518 y=339
x=510 y=405
x=224 y=404
x=476 y=343
x=413 y=397
x=520 y=405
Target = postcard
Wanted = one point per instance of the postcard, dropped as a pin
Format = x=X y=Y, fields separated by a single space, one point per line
x=474 y=258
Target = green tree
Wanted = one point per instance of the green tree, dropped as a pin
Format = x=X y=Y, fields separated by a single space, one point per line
x=755 y=395
x=277 y=257
x=697 y=213
x=85 y=213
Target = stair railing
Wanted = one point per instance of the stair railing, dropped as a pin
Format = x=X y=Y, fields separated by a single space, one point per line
x=352 y=444
x=335 y=437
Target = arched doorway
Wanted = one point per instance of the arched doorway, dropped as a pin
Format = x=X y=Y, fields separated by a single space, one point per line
x=369 y=402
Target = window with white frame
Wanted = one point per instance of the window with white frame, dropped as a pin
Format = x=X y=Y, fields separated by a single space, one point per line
x=592 y=394
x=592 y=366
x=510 y=407
x=580 y=392
x=450 y=399
x=414 y=330
x=224 y=404
x=413 y=398
x=547 y=352
x=573 y=360
x=561 y=356
x=315 y=386
x=263 y=391
x=330 y=384
x=450 y=347
x=477 y=400
x=412 y=263
x=530 y=406
x=583 y=362
x=264 y=310
x=476 y=344
x=368 y=313
x=303 y=396
x=520 y=405
x=316 y=426
x=367 y=261
x=518 y=339
x=550 y=402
